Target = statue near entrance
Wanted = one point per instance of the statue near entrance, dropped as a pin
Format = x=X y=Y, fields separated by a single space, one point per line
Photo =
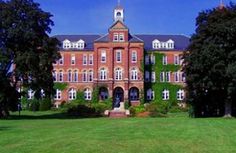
x=117 y=102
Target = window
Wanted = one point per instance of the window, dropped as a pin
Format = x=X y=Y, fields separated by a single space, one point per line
x=80 y=44
x=57 y=95
x=170 y=44
x=167 y=77
x=90 y=59
x=90 y=76
x=118 y=56
x=147 y=76
x=134 y=56
x=87 y=94
x=134 y=74
x=115 y=37
x=118 y=74
x=30 y=94
x=54 y=74
x=176 y=75
x=103 y=57
x=153 y=77
x=103 y=74
x=176 y=59
x=180 y=94
x=66 y=44
x=150 y=94
x=162 y=77
x=164 y=60
x=165 y=94
x=147 y=60
x=84 y=76
x=121 y=37
x=76 y=76
x=84 y=59
x=60 y=76
x=61 y=60
x=69 y=76
x=156 y=44
x=72 y=94
x=73 y=60
x=153 y=59
x=133 y=94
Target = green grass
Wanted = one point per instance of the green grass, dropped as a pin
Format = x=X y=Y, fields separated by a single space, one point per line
x=44 y=132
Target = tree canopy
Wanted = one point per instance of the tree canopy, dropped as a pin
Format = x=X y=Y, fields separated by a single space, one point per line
x=210 y=63
x=27 y=51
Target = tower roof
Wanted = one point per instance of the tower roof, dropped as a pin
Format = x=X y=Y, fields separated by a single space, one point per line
x=118 y=5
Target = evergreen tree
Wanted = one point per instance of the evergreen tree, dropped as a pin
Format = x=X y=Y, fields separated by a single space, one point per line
x=210 y=63
x=27 y=52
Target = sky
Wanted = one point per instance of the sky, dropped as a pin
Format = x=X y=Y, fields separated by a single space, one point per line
x=141 y=16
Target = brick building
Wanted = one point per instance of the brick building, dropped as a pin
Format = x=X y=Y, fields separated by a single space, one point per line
x=120 y=64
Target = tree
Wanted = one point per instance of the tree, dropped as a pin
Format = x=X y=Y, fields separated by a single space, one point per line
x=210 y=63
x=27 y=52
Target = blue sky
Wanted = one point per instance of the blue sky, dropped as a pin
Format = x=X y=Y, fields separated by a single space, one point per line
x=141 y=16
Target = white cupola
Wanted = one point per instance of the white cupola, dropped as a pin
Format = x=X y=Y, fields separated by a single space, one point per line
x=119 y=13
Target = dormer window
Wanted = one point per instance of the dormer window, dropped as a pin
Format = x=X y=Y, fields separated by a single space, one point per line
x=170 y=44
x=115 y=37
x=118 y=37
x=80 y=44
x=156 y=44
x=121 y=37
x=66 y=44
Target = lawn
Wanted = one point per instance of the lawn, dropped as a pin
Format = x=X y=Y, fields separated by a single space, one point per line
x=44 y=132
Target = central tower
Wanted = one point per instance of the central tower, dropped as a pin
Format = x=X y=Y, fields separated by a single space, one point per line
x=119 y=13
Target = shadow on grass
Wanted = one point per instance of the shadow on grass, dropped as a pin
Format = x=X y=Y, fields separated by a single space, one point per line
x=3 y=128
x=56 y=115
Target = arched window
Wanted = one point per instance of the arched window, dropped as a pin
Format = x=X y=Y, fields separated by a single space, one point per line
x=57 y=95
x=134 y=57
x=69 y=76
x=150 y=94
x=87 y=94
x=134 y=94
x=118 y=74
x=60 y=76
x=180 y=94
x=165 y=94
x=134 y=74
x=72 y=94
x=75 y=76
x=103 y=74
x=90 y=76
x=84 y=76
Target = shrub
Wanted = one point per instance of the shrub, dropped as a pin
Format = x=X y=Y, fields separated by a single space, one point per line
x=82 y=111
x=45 y=105
x=177 y=109
x=33 y=105
x=101 y=107
x=157 y=109
x=134 y=110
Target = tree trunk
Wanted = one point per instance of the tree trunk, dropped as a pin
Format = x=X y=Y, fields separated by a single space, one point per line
x=228 y=108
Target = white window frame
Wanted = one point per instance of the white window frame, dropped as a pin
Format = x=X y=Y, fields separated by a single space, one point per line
x=61 y=60
x=60 y=78
x=147 y=60
x=165 y=60
x=69 y=76
x=118 y=74
x=87 y=94
x=118 y=56
x=153 y=59
x=72 y=94
x=85 y=59
x=134 y=74
x=72 y=59
x=90 y=76
x=103 y=57
x=153 y=77
x=84 y=76
x=115 y=37
x=91 y=59
x=167 y=77
x=30 y=94
x=162 y=77
x=150 y=94
x=177 y=76
x=76 y=76
x=180 y=94
x=103 y=74
x=121 y=37
x=176 y=60
x=165 y=94
x=147 y=76
x=134 y=57
x=54 y=74
x=58 y=95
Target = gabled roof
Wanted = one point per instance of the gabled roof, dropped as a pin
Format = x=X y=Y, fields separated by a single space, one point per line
x=181 y=41
x=118 y=25
x=88 y=39
x=105 y=38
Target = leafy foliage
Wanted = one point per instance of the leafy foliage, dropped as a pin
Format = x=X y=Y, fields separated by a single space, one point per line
x=26 y=44
x=210 y=63
x=60 y=86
